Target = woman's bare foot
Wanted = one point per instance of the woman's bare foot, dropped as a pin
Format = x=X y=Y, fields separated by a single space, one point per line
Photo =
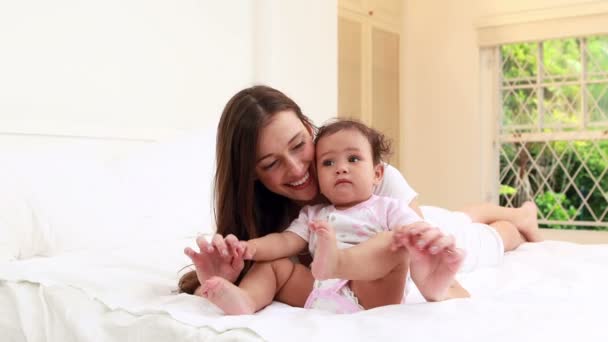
x=527 y=222
x=227 y=296
x=325 y=262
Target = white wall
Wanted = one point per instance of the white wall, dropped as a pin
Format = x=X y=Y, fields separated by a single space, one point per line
x=443 y=126
x=146 y=69
x=121 y=66
x=297 y=52
x=439 y=90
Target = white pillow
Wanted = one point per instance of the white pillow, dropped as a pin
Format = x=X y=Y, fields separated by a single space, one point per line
x=75 y=203
x=67 y=200
x=170 y=185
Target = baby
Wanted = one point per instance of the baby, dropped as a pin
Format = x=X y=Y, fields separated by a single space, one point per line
x=349 y=165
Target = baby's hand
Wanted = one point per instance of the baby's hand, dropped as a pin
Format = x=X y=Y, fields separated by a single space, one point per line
x=247 y=249
x=317 y=226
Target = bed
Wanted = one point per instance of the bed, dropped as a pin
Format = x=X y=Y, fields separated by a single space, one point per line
x=91 y=251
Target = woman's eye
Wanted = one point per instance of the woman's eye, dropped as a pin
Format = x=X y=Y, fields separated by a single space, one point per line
x=269 y=166
x=328 y=162
x=353 y=159
x=299 y=146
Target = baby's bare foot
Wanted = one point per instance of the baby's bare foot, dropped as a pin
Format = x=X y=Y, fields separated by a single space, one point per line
x=528 y=222
x=325 y=263
x=434 y=274
x=227 y=296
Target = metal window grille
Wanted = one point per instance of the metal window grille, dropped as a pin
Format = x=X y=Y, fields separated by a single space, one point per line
x=553 y=139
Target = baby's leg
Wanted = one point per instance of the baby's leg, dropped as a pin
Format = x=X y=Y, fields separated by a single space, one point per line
x=387 y=290
x=369 y=260
x=282 y=279
x=328 y=258
x=293 y=282
x=377 y=272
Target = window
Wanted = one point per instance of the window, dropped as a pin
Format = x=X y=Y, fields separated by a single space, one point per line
x=553 y=136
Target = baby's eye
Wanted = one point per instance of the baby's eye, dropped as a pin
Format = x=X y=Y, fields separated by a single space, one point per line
x=353 y=159
x=327 y=162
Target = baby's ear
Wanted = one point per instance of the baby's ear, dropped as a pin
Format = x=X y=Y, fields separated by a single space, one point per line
x=378 y=173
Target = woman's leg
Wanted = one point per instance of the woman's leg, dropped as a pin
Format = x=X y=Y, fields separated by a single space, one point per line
x=281 y=279
x=511 y=236
x=524 y=218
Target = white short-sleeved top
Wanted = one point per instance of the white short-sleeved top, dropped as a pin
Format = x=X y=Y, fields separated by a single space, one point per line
x=356 y=224
x=394 y=185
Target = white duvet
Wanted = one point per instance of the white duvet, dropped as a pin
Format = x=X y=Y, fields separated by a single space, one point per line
x=546 y=291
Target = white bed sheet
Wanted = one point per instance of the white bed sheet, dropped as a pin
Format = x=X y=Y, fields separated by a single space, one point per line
x=550 y=290
x=30 y=312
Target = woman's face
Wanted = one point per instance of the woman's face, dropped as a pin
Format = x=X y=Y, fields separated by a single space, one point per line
x=285 y=158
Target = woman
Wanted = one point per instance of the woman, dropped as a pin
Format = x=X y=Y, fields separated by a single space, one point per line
x=265 y=174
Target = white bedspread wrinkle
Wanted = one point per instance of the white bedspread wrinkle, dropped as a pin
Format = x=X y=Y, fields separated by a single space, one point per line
x=545 y=291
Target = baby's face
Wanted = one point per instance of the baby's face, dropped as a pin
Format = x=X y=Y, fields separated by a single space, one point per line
x=345 y=168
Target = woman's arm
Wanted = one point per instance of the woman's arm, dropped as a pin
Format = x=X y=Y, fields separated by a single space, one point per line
x=414 y=205
x=274 y=246
x=394 y=185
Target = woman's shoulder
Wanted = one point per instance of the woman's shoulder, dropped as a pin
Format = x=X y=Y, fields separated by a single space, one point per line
x=392 y=175
x=394 y=185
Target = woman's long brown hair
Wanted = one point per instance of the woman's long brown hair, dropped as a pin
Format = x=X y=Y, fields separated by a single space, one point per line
x=244 y=206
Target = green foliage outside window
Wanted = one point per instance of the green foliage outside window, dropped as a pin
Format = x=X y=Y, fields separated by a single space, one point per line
x=561 y=176
x=560 y=180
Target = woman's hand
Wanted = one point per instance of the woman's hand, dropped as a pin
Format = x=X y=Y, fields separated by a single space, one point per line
x=222 y=257
x=434 y=258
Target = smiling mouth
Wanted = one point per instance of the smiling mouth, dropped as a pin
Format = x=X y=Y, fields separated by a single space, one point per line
x=302 y=182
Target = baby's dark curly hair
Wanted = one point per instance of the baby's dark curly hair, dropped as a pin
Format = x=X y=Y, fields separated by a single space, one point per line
x=380 y=144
